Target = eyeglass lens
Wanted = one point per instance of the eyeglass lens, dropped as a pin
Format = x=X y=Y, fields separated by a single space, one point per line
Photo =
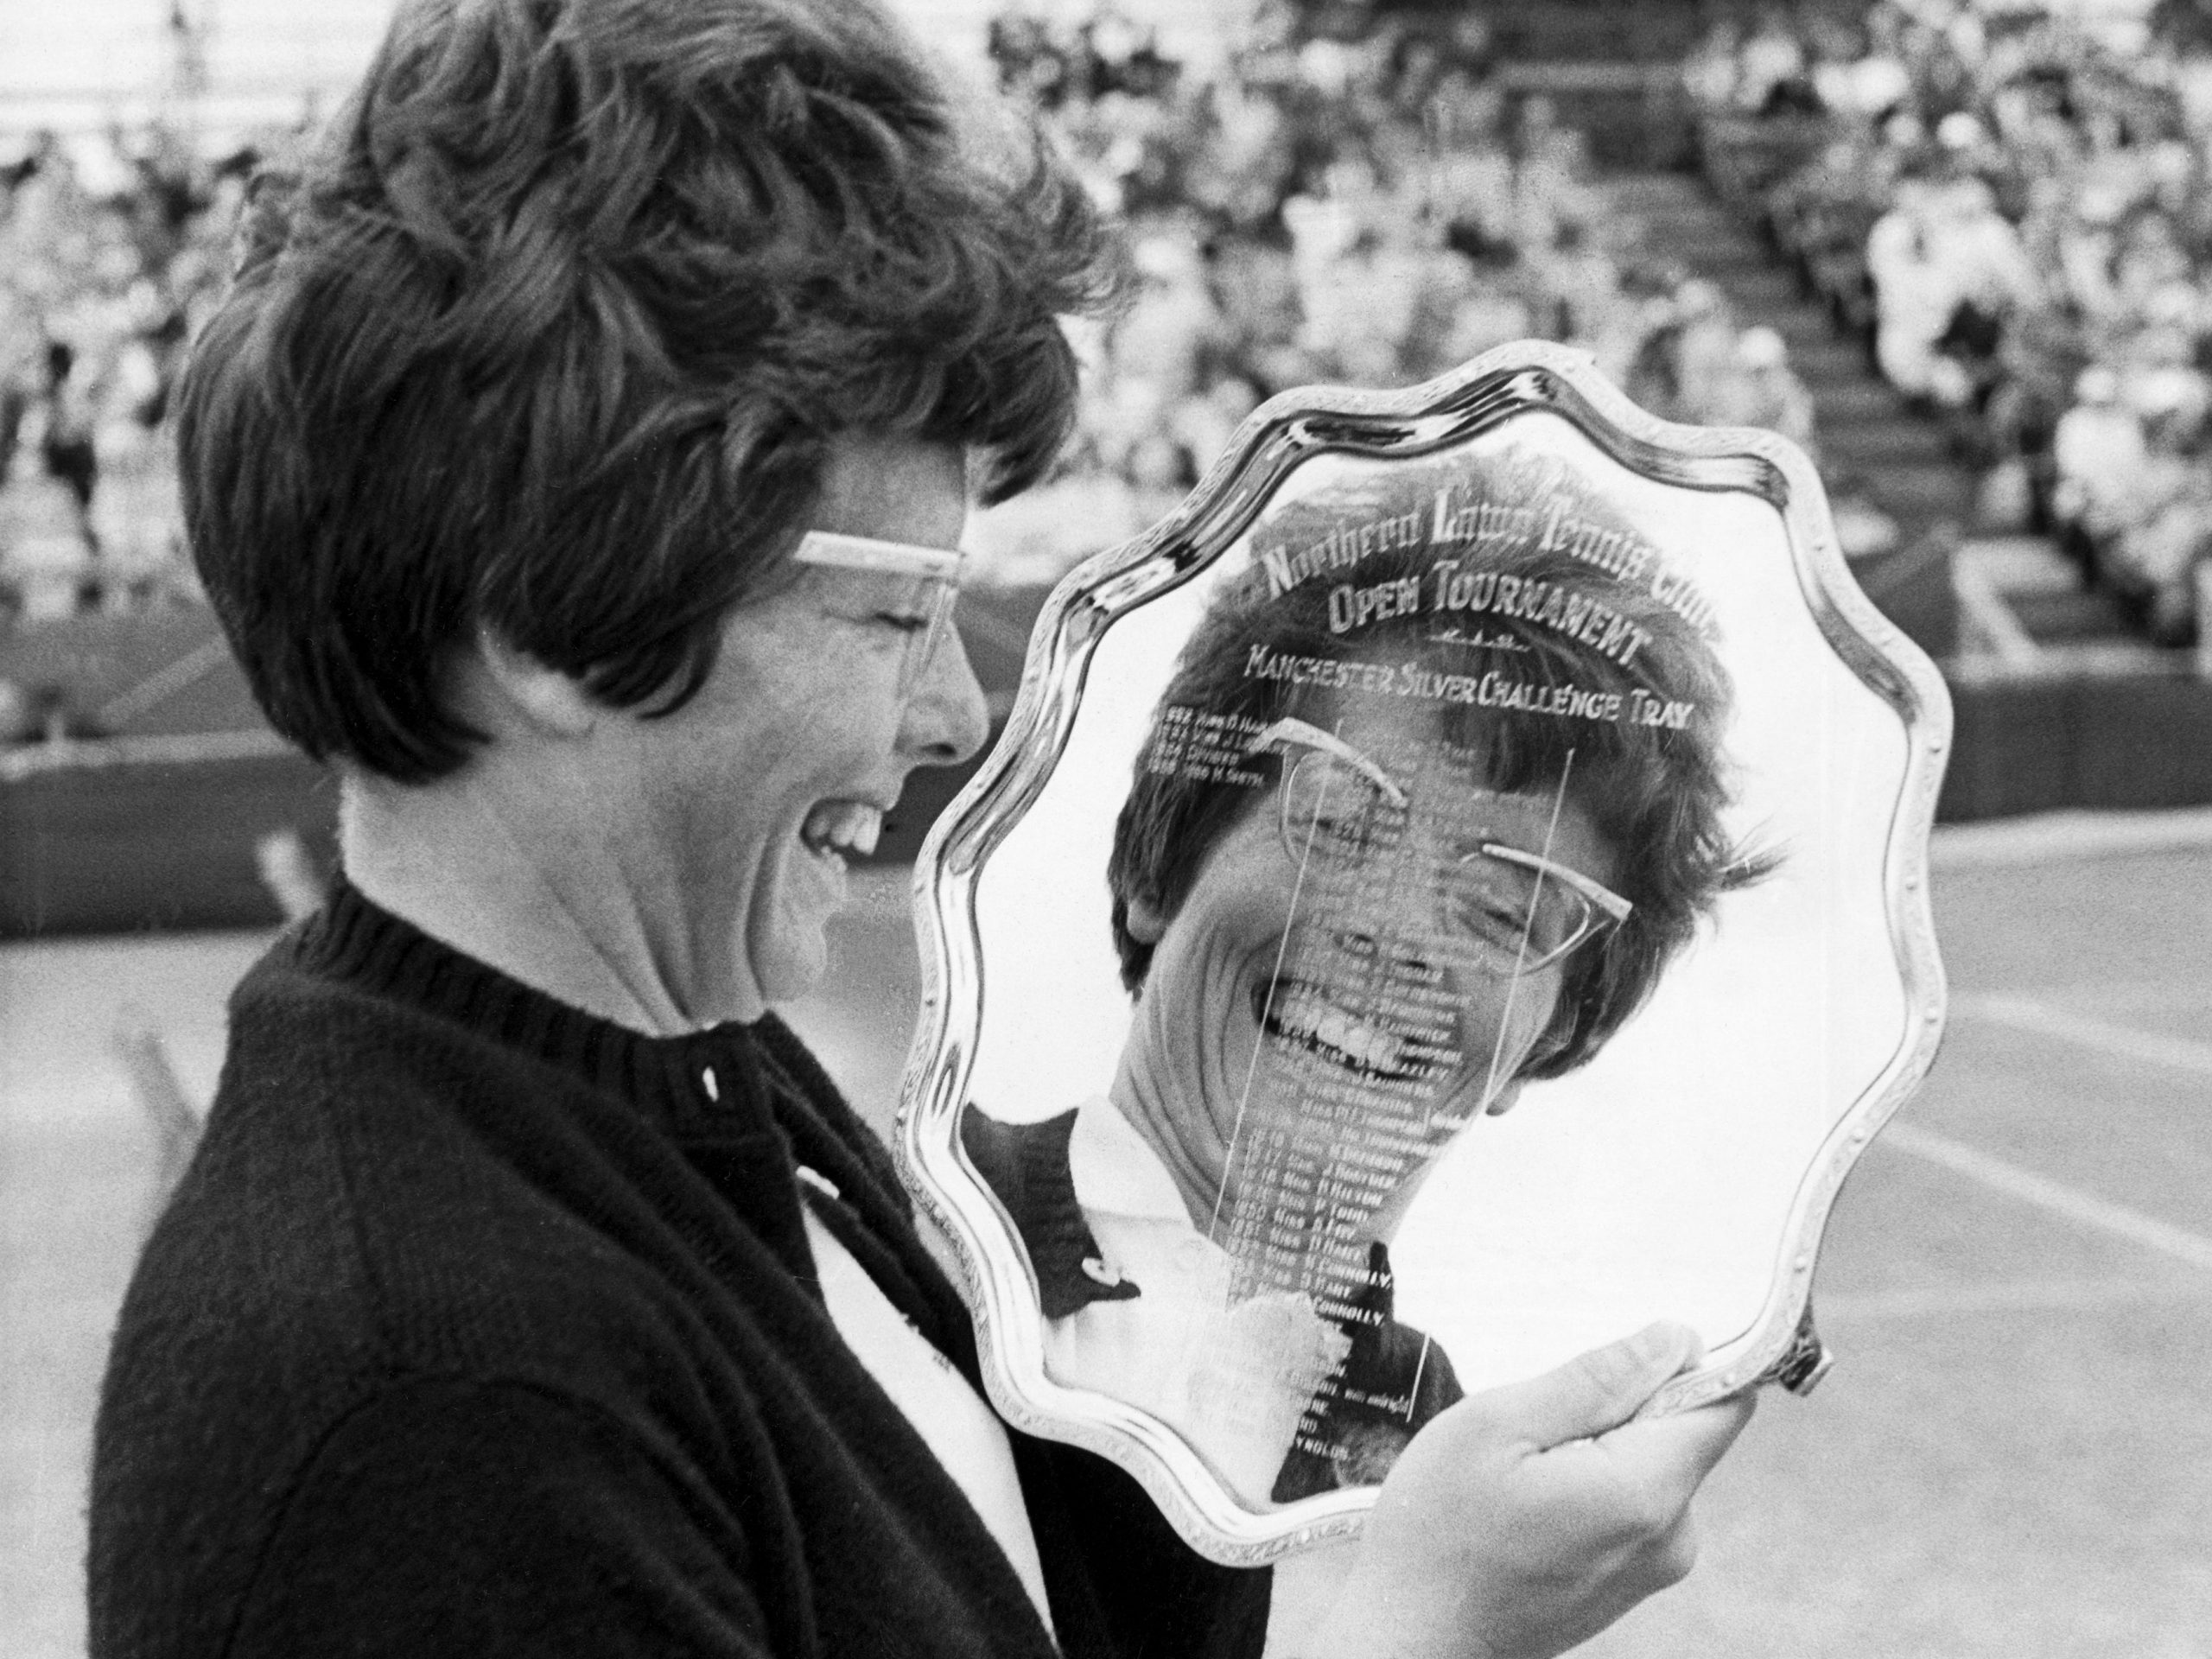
x=921 y=607
x=923 y=644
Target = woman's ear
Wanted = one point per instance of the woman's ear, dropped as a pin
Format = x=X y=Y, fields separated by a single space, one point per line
x=511 y=684
x=1547 y=1047
x=1144 y=921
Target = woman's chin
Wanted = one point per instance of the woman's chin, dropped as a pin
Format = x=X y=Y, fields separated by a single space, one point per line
x=787 y=934
x=791 y=964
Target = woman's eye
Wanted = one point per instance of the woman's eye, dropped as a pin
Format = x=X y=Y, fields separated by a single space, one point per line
x=905 y=624
x=1345 y=829
x=1496 y=920
x=1491 y=916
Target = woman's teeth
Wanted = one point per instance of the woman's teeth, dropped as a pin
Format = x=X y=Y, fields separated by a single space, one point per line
x=843 y=829
x=1300 y=1014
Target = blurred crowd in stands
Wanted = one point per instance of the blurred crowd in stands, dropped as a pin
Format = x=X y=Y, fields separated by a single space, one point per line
x=112 y=247
x=2014 y=213
x=1346 y=195
x=1349 y=196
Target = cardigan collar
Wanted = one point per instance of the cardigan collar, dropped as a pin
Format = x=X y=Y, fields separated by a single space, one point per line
x=747 y=1105
x=691 y=1083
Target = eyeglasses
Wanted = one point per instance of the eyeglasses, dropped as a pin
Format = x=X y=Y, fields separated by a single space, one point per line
x=915 y=588
x=1512 y=911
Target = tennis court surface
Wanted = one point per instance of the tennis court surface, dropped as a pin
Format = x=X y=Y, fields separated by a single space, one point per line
x=2013 y=1456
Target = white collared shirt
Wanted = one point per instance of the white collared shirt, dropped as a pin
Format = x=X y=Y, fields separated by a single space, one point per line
x=951 y=1418
x=1232 y=1380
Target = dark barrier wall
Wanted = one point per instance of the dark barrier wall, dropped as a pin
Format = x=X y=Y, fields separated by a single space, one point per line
x=143 y=831
x=111 y=837
x=2046 y=744
x=124 y=835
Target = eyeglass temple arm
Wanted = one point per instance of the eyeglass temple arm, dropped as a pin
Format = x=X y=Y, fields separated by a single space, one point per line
x=1603 y=897
x=868 y=553
x=1293 y=733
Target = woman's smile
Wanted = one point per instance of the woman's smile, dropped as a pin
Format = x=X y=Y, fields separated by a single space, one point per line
x=1297 y=1000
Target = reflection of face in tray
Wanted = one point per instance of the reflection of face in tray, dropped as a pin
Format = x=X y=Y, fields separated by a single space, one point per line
x=1373 y=948
x=1378 y=694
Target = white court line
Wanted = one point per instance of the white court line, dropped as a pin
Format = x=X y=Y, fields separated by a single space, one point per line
x=2044 y=1295
x=2024 y=1014
x=2137 y=995
x=2099 y=1214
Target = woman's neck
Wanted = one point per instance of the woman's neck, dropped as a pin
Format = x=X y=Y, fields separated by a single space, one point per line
x=485 y=874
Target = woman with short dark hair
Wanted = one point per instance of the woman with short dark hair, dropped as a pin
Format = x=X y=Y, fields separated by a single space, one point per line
x=578 y=465
x=553 y=336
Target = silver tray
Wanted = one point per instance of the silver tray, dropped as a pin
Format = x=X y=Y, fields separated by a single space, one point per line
x=1403 y=666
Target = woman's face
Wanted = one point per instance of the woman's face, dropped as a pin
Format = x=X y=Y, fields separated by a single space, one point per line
x=1295 y=993
x=744 y=807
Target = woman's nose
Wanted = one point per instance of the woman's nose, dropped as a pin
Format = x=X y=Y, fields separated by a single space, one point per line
x=946 y=719
x=1395 y=954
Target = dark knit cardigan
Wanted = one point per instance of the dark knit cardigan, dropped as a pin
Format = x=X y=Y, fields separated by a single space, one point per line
x=480 y=1326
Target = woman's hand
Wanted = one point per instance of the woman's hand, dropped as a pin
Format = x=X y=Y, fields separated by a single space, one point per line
x=1526 y=1519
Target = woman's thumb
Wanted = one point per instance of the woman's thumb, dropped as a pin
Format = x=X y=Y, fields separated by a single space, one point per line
x=1595 y=1391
